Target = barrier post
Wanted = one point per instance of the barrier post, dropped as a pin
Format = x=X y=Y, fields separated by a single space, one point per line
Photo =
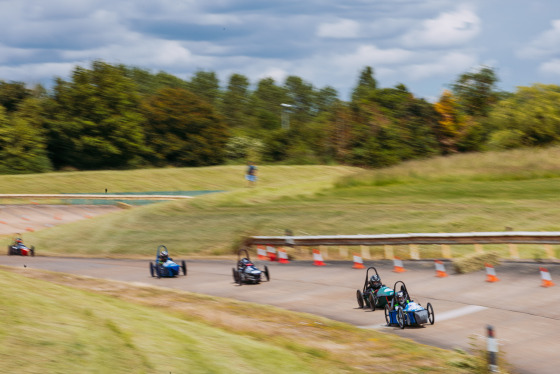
x=324 y=251
x=343 y=251
x=478 y=248
x=388 y=252
x=513 y=250
x=414 y=253
x=446 y=251
x=365 y=252
x=549 y=252
x=492 y=348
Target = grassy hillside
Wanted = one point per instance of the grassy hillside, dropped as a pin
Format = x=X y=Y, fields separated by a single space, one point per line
x=98 y=326
x=515 y=190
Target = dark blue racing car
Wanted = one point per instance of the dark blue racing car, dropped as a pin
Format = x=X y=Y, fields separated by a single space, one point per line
x=165 y=266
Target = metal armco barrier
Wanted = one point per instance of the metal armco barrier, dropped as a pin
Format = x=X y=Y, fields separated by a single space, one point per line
x=507 y=237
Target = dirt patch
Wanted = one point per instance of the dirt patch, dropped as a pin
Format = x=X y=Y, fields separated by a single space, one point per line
x=21 y=218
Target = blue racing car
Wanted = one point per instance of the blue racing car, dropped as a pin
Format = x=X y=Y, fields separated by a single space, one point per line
x=165 y=266
x=403 y=311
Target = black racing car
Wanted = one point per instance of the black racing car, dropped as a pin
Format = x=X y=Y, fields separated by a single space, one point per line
x=246 y=271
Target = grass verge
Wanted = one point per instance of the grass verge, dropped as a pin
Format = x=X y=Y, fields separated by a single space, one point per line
x=54 y=322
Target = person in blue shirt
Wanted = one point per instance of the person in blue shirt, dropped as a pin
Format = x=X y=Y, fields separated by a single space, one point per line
x=251 y=174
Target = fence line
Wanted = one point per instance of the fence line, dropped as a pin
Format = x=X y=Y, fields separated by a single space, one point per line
x=413 y=240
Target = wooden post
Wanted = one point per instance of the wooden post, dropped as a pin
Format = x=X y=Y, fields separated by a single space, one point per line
x=343 y=251
x=365 y=252
x=513 y=250
x=478 y=248
x=414 y=253
x=549 y=252
x=324 y=251
x=446 y=251
x=388 y=252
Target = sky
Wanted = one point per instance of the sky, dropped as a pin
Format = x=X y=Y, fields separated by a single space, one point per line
x=424 y=44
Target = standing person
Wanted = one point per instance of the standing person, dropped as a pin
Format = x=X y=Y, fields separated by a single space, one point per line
x=251 y=174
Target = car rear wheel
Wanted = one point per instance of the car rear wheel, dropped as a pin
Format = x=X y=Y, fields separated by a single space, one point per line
x=400 y=318
x=152 y=269
x=431 y=316
x=266 y=273
x=235 y=275
x=32 y=249
x=388 y=315
x=360 y=299
x=184 y=267
x=372 y=302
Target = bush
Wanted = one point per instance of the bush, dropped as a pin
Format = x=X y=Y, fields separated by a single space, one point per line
x=475 y=262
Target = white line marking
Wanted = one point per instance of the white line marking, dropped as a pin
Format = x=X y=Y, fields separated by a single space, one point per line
x=458 y=312
x=442 y=316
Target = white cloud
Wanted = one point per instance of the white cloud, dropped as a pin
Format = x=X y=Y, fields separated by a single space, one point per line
x=551 y=67
x=545 y=44
x=448 y=29
x=370 y=55
x=341 y=29
x=453 y=62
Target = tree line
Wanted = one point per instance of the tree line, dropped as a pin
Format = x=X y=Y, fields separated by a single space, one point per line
x=120 y=117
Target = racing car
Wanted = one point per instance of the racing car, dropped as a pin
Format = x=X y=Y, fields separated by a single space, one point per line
x=374 y=294
x=403 y=311
x=246 y=272
x=17 y=248
x=165 y=266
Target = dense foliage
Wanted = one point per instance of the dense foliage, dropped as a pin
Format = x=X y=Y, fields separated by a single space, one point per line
x=116 y=117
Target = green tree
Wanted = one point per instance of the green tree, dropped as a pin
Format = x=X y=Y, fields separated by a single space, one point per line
x=533 y=111
x=206 y=85
x=184 y=129
x=366 y=85
x=235 y=101
x=22 y=146
x=11 y=94
x=265 y=103
x=475 y=91
x=95 y=121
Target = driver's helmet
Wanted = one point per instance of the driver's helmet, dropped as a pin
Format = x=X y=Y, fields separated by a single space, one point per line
x=245 y=261
x=19 y=241
x=401 y=297
x=163 y=256
x=375 y=281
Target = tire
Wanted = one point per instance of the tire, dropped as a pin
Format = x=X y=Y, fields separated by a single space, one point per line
x=9 y=250
x=234 y=273
x=152 y=269
x=400 y=318
x=266 y=273
x=360 y=299
x=184 y=267
x=32 y=249
x=431 y=316
x=372 y=302
x=158 y=271
x=388 y=315
x=239 y=278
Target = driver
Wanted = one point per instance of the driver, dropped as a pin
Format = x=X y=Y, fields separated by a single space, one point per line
x=401 y=299
x=163 y=257
x=375 y=283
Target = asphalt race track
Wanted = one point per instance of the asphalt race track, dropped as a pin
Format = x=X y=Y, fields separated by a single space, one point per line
x=525 y=316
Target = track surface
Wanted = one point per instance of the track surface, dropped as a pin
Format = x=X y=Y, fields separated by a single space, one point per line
x=525 y=316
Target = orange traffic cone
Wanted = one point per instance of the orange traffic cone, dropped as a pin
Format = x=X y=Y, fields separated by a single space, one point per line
x=261 y=252
x=317 y=258
x=283 y=256
x=546 y=279
x=358 y=262
x=398 y=265
x=491 y=274
x=440 y=269
x=271 y=252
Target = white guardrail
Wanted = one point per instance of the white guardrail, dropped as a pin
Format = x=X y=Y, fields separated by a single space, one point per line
x=512 y=238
